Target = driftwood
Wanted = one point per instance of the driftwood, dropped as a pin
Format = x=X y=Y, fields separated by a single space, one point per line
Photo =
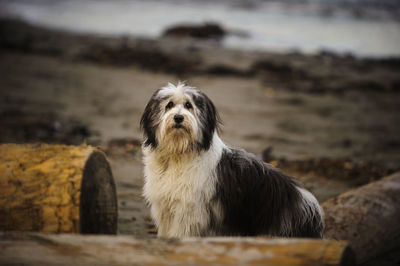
x=56 y=188
x=368 y=217
x=63 y=249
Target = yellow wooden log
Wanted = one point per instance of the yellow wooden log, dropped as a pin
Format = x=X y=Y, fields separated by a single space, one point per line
x=56 y=188
x=46 y=249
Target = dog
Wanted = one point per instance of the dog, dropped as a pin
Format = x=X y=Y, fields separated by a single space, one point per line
x=198 y=186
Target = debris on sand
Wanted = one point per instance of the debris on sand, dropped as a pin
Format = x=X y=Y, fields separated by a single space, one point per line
x=22 y=127
x=329 y=177
x=342 y=169
x=327 y=72
x=152 y=59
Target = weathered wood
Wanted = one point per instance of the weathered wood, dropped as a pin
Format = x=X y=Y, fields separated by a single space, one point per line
x=368 y=217
x=56 y=188
x=48 y=249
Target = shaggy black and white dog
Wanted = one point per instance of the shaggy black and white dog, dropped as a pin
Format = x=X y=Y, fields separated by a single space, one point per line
x=198 y=186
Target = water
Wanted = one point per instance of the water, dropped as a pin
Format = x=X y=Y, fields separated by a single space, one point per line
x=365 y=28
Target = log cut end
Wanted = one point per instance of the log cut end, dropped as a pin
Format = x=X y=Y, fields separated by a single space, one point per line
x=98 y=202
x=348 y=257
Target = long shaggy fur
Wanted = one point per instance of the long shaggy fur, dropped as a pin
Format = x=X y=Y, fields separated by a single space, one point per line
x=198 y=186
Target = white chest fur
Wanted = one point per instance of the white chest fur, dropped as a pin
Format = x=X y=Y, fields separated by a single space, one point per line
x=179 y=192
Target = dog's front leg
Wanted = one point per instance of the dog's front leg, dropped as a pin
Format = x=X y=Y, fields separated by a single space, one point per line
x=162 y=219
x=189 y=220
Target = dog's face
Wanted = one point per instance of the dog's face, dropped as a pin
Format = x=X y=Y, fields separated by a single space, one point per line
x=179 y=119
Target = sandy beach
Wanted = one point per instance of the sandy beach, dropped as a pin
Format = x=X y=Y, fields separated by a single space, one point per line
x=332 y=121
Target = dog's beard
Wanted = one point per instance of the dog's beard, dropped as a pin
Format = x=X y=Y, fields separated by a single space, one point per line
x=177 y=139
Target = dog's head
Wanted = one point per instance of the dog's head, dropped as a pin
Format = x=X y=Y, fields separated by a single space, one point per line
x=179 y=119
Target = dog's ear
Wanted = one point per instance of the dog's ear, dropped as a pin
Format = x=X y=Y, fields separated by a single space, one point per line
x=209 y=118
x=148 y=122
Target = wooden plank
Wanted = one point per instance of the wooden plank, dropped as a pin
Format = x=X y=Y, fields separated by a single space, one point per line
x=71 y=249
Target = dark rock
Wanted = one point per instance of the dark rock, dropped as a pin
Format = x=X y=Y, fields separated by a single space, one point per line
x=206 y=31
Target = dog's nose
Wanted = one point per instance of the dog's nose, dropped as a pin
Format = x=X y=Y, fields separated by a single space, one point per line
x=178 y=119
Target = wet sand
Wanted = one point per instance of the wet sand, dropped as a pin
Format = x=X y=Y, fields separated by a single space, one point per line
x=332 y=121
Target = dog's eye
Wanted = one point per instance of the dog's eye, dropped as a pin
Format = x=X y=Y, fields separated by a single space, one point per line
x=188 y=105
x=169 y=105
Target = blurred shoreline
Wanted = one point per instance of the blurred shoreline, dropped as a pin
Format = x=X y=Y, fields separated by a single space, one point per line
x=361 y=28
x=185 y=57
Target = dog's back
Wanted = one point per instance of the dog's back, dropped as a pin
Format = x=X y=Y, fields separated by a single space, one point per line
x=257 y=199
